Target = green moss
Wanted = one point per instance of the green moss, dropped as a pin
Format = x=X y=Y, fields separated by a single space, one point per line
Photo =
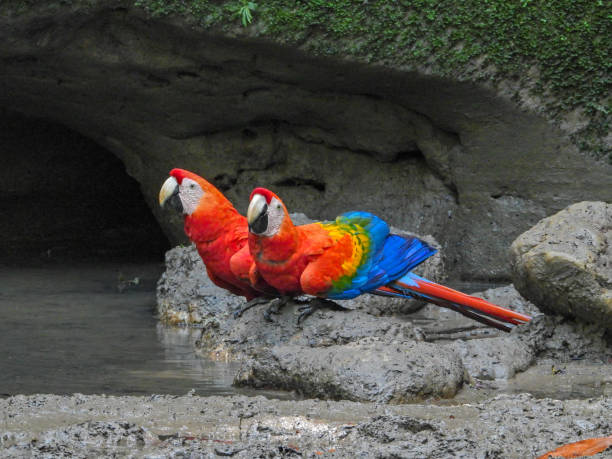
x=566 y=41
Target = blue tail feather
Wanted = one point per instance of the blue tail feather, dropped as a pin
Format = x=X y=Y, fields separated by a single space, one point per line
x=398 y=256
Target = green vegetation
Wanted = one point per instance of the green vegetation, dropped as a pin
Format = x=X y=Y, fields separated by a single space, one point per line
x=559 y=50
x=245 y=12
x=564 y=45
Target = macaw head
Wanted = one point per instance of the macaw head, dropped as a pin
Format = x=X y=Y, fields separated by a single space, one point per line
x=266 y=213
x=188 y=192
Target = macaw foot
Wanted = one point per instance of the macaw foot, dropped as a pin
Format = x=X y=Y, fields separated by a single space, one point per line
x=315 y=304
x=275 y=307
x=249 y=304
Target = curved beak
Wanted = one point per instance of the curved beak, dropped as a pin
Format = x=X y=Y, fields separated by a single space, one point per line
x=257 y=214
x=169 y=194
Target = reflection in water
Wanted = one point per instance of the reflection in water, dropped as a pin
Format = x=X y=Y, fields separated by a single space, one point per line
x=204 y=376
x=87 y=329
x=66 y=329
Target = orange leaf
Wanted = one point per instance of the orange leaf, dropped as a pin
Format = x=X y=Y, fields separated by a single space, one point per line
x=588 y=447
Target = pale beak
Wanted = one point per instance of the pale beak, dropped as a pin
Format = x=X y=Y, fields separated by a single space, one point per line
x=257 y=214
x=169 y=192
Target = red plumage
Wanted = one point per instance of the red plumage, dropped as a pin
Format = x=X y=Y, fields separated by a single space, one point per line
x=220 y=235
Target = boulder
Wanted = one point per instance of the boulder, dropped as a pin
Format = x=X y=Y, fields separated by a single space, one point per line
x=564 y=263
x=355 y=351
x=237 y=338
x=369 y=370
x=186 y=295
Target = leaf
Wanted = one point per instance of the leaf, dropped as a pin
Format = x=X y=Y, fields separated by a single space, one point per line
x=588 y=447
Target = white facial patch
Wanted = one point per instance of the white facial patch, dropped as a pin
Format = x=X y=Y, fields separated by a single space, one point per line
x=190 y=193
x=261 y=213
x=276 y=215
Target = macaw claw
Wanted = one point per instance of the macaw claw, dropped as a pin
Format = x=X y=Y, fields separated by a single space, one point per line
x=275 y=307
x=314 y=305
x=249 y=304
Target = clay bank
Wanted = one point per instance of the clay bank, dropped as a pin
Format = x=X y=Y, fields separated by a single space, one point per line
x=331 y=111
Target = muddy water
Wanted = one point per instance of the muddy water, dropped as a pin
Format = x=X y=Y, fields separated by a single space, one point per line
x=91 y=329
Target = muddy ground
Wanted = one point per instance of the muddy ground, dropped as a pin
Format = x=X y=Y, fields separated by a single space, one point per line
x=246 y=427
x=480 y=393
x=386 y=350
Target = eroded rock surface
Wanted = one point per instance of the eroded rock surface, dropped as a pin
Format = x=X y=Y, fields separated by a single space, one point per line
x=185 y=294
x=369 y=370
x=342 y=353
x=438 y=156
x=373 y=348
x=564 y=263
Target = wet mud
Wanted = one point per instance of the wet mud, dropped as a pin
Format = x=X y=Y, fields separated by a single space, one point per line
x=247 y=427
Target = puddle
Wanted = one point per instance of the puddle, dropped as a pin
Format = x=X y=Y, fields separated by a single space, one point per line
x=67 y=329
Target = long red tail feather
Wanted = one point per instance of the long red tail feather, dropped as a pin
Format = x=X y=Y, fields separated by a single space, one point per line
x=470 y=306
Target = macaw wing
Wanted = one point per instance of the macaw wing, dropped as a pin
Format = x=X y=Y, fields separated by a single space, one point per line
x=344 y=265
x=315 y=240
x=244 y=269
x=399 y=255
x=240 y=264
x=381 y=258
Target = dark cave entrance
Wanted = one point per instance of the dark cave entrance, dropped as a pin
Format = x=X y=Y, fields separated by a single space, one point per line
x=65 y=198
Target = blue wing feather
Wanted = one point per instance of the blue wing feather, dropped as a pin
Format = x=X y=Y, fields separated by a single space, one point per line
x=389 y=256
x=398 y=256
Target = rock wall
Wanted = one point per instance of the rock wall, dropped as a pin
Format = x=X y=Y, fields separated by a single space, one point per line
x=436 y=156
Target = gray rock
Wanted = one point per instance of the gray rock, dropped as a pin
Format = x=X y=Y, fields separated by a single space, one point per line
x=230 y=338
x=185 y=294
x=325 y=355
x=361 y=371
x=500 y=357
x=486 y=354
x=564 y=263
x=491 y=355
x=557 y=339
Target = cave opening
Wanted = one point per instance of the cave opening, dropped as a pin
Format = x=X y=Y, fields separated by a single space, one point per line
x=65 y=198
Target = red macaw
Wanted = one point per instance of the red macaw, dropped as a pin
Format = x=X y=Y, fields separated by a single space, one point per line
x=220 y=235
x=352 y=255
x=219 y=232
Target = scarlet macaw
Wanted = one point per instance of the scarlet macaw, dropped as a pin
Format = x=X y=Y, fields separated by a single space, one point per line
x=219 y=232
x=352 y=255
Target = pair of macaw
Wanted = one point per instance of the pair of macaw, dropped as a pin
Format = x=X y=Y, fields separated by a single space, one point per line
x=265 y=256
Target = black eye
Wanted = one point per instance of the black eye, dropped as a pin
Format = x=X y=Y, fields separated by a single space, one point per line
x=192 y=185
x=278 y=206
